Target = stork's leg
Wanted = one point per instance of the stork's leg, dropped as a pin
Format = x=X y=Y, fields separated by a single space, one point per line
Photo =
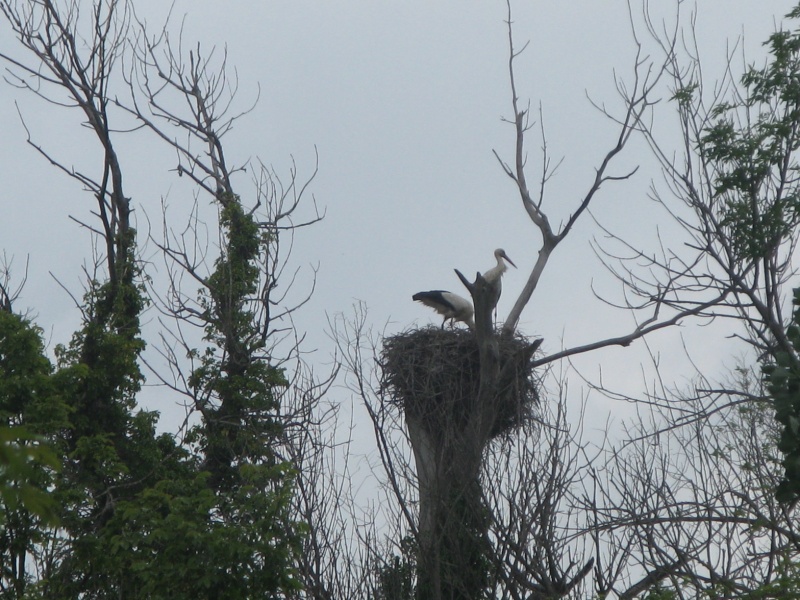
x=443 y=322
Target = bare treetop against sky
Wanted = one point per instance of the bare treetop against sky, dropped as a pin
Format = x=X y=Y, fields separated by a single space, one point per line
x=403 y=101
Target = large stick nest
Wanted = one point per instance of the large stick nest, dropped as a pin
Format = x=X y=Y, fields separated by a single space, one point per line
x=434 y=376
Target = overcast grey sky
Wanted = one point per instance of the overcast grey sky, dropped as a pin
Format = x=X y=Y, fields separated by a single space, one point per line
x=403 y=101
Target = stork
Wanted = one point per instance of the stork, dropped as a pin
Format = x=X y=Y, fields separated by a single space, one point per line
x=450 y=305
x=494 y=275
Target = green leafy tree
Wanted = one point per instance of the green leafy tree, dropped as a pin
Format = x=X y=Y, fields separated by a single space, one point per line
x=749 y=217
x=754 y=161
x=110 y=452
x=755 y=182
x=783 y=382
x=249 y=486
x=31 y=414
x=144 y=515
x=236 y=383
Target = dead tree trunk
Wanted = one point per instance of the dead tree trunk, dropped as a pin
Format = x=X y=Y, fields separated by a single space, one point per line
x=454 y=561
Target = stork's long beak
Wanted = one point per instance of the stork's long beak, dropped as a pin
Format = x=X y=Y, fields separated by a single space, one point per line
x=511 y=262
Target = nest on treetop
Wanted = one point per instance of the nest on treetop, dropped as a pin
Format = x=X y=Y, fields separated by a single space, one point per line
x=434 y=376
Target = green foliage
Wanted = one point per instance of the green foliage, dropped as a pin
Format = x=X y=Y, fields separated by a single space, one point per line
x=178 y=539
x=685 y=95
x=24 y=375
x=238 y=382
x=139 y=515
x=30 y=415
x=142 y=515
x=658 y=592
x=750 y=149
x=784 y=585
x=397 y=575
x=149 y=518
x=459 y=552
x=252 y=537
x=466 y=551
x=110 y=452
x=99 y=377
x=26 y=508
x=755 y=172
x=22 y=456
x=783 y=384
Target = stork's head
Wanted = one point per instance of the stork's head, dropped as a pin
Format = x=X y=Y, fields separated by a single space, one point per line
x=500 y=253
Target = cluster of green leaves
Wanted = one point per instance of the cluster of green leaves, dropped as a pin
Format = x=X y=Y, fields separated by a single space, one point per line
x=783 y=384
x=109 y=450
x=397 y=575
x=785 y=585
x=659 y=592
x=461 y=550
x=22 y=455
x=30 y=410
x=753 y=155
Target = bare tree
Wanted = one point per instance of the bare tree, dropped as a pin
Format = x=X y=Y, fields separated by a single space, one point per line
x=8 y=292
x=645 y=515
x=70 y=68
x=449 y=452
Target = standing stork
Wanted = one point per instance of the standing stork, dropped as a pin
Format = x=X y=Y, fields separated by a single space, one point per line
x=494 y=275
x=450 y=305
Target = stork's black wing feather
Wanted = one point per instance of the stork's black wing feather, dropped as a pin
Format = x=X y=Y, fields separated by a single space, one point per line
x=434 y=299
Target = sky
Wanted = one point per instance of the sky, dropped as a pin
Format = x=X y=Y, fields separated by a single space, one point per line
x=404 y=103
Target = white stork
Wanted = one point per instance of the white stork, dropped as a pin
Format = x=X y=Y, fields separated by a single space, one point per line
x=494 y=275
x=450 y=305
